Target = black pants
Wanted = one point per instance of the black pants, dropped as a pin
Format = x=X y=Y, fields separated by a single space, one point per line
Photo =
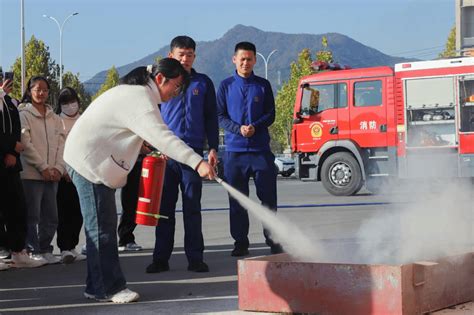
x=69 y=216
x=3 y=232
x=13 y=209
x=129 y=198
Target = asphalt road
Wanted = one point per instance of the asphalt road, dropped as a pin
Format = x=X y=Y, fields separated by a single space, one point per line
x=57 y=289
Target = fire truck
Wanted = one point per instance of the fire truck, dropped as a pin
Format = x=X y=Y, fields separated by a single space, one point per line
x=365 y=126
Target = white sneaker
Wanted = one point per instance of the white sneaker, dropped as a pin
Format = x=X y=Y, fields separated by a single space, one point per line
x=130 y=247
x=23 y=260
x=3 y=265
x=79 y=257
x=124 y=296
x=51 y=259
x=4 y=253
x=67 y=257
x=84 y=250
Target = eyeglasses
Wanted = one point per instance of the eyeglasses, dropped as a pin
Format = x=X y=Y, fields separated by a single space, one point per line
x=40 y=90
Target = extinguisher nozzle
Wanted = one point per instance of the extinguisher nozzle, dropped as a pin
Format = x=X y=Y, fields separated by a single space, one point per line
x=218 y=179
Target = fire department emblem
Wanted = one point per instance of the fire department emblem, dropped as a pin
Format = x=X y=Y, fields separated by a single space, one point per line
x=195 y=92
x=316 y=129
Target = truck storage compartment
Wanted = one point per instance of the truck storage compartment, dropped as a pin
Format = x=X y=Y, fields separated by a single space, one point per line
x=431 y=112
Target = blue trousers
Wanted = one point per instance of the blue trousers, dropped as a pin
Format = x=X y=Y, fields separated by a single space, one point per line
x=238 y=168
x=42 y=217
x=180 y=177
x=104 y=275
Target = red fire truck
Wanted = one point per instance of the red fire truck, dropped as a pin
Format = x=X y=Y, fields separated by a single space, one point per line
x=364 y=126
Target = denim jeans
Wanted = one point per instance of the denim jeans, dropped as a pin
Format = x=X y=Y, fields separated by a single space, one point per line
x=104 y=275
x=42 y=214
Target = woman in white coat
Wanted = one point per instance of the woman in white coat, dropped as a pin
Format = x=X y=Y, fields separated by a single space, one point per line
x=100 y=151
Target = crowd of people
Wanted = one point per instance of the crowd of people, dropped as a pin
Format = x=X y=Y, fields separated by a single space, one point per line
x=58 y=172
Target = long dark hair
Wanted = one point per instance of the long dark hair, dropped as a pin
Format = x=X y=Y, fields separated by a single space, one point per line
x=170 y=68
x=66 y=95
x=31 y=82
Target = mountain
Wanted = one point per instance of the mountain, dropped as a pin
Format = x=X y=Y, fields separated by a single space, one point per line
x=214 y=58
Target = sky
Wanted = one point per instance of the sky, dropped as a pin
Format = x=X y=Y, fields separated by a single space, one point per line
x=109 y=33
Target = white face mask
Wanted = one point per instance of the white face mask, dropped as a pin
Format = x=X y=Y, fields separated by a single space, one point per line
x=70 y=109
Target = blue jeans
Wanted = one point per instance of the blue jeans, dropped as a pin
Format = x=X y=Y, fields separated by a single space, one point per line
x=42 y=214
x=104 y=275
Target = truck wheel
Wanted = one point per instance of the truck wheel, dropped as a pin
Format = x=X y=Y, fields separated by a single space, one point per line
x=341 y=175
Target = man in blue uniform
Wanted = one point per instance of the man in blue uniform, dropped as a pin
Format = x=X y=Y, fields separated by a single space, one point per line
x=193 y=118
x=246 y=108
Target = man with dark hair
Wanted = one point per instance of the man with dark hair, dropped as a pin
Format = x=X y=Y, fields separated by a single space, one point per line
x=246 y=108
x=193 y=118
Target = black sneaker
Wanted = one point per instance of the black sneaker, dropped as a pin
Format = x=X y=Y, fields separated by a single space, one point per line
x=157 y=266
x=276 y=249
x=198 y=267
x=240 y=251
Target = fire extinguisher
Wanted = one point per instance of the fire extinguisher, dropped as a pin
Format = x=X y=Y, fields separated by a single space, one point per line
x=151 y=187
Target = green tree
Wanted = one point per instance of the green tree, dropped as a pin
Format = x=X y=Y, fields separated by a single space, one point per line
x=111 y=80
x=72 y=80
x=450 y=47
x=324 y=54
x=37 y=62
x=285 y=100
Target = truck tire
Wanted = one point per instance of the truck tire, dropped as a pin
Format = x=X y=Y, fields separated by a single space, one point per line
x=341 y=174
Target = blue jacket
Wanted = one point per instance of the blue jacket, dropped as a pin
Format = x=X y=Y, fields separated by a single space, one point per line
x=192 y=116
x=246 y=101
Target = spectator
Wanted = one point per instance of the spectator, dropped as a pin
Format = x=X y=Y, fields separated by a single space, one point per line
x=193 y=118
x=13 y=209
x=246 y=109
x=43 y=138
x=69 y=209
x=100 y=150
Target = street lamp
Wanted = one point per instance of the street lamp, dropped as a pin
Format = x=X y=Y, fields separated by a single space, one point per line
x=266 y=61
x=60 y=26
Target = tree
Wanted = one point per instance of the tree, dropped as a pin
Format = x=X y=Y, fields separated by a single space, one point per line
x=72 y=80
x=450 y=47
x=111 y=80
x=324 y=54
x=37 y=62
x=281 y=128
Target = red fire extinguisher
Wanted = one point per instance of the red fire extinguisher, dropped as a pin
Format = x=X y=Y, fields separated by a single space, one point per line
x=151 y=187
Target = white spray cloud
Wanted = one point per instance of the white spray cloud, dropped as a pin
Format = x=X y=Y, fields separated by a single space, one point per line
x=284 y=232
x=438 y=223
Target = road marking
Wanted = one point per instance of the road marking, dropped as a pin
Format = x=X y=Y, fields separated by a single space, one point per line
x=196 y=280
x=138 y=254
x=88 y=304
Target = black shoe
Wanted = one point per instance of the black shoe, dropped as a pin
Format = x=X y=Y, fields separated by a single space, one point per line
x=240 y=251
x=157 y=266
x=276 y=249
x=198 y=267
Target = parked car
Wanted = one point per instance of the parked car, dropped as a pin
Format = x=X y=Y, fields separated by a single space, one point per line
x=285 y=166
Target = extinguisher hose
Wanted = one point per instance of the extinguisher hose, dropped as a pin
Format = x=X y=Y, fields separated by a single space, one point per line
x=218 y=179
x=156 y=216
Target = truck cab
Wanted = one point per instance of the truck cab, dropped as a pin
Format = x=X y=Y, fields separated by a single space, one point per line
x=338 y=116
x=365 y=126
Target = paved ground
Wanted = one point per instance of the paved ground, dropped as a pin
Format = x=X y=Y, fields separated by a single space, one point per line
x=57 y=289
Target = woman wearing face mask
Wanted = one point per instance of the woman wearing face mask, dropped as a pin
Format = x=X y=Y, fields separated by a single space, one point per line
x=69 y=209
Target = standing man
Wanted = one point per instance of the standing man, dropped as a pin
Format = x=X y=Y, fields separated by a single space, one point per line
x=193 y=118
x=246 y=109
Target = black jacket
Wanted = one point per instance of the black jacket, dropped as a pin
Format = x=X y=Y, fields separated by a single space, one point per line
x=10 y=133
